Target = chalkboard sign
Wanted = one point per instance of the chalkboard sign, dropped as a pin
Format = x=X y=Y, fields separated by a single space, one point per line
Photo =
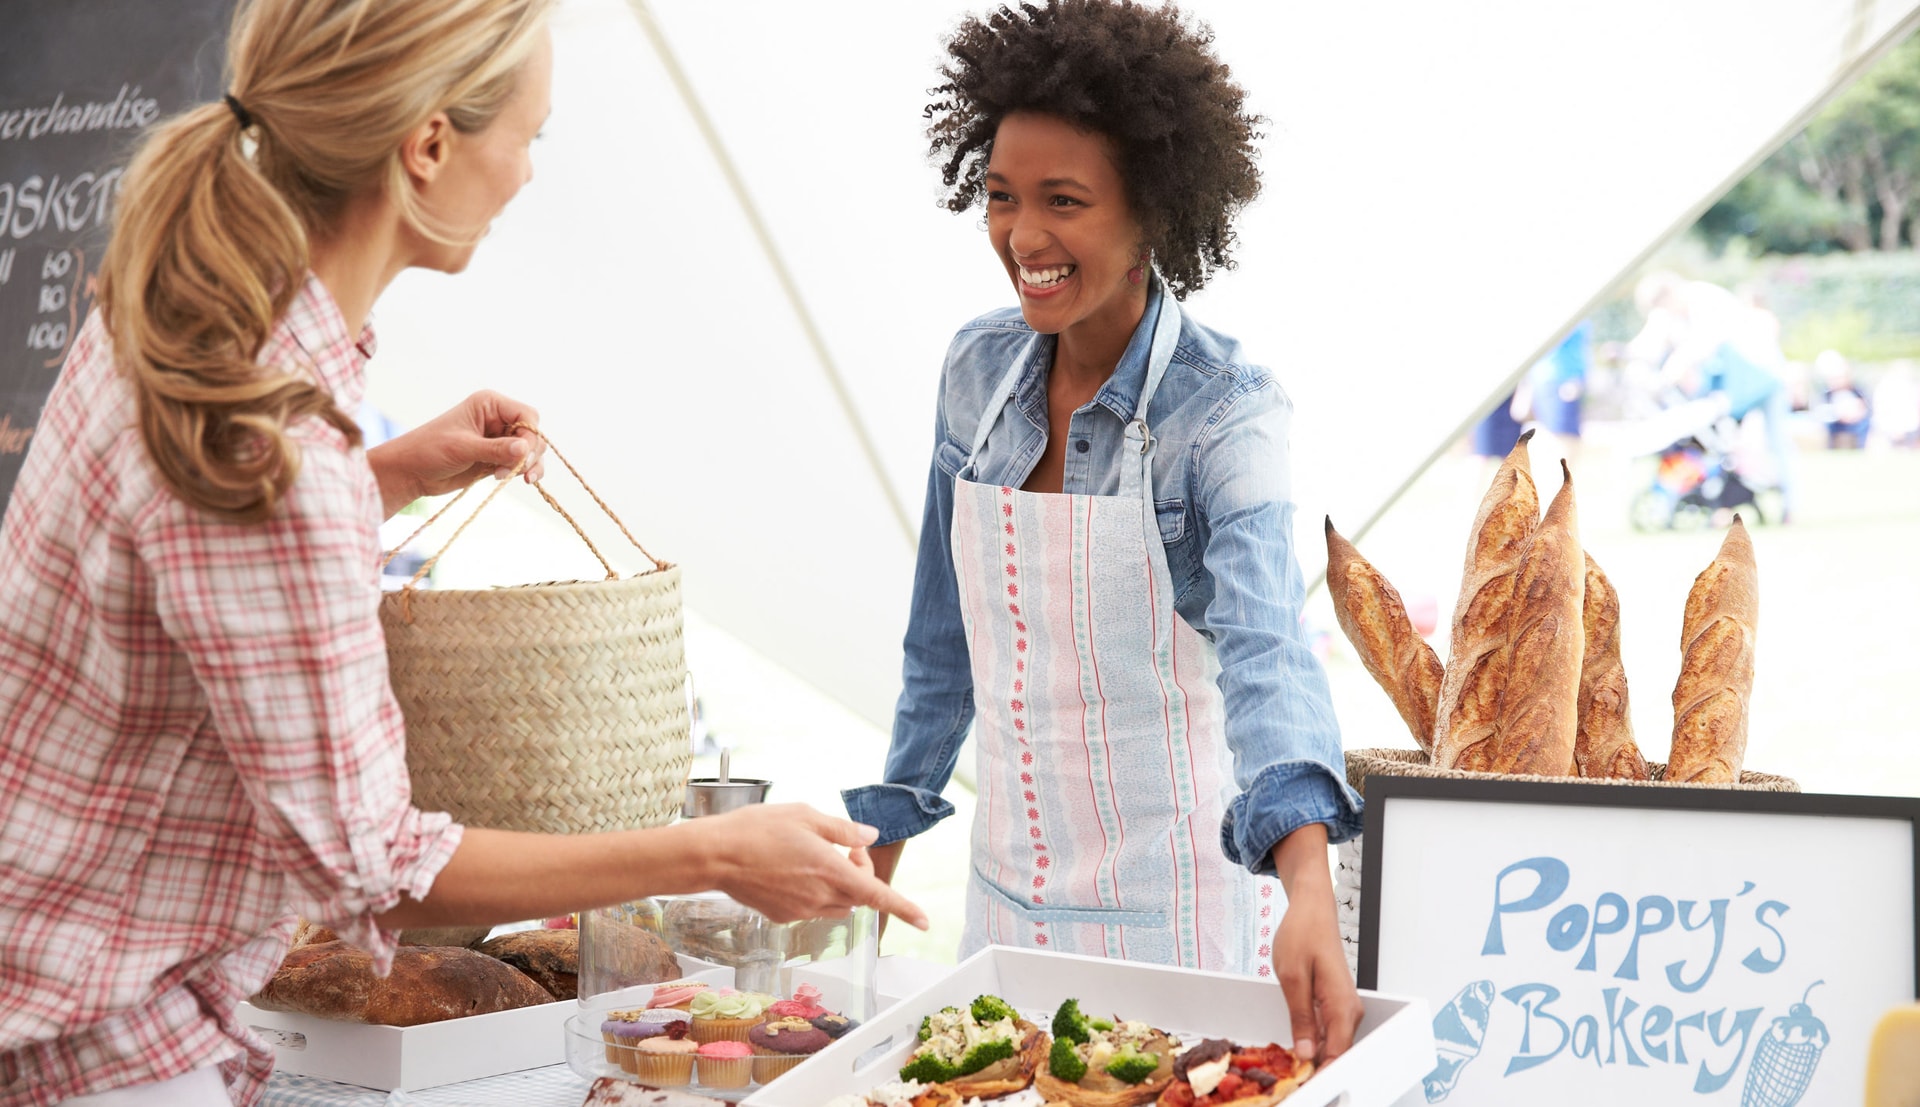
x=80 y=81
x=1585 y=944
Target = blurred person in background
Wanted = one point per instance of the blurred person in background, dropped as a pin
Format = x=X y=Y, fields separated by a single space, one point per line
x=1845 y=407
x=1554 y=390
x=1898 y=405
x=1702 y=342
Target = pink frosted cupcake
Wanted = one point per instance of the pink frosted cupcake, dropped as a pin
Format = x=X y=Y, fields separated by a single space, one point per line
x=805 y=1004
x=676 y=994
x=666 y=1059
x=725 y=1064
x=780 y=1044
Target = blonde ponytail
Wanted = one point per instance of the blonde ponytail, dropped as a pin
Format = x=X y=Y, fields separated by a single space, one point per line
x=211 y=239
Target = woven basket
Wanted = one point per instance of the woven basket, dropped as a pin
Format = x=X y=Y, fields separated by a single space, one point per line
x=1362 y=764
x=558 y=708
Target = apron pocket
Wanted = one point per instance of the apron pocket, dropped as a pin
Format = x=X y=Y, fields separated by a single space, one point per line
x=1055 y=913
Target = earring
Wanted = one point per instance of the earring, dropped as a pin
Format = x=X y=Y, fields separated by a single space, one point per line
x=1139 y=272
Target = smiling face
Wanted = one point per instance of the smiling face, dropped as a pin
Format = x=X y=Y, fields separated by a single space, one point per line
x=1057 y=214
x=477 y=172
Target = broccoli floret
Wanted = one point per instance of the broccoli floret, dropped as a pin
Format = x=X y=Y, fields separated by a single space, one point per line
x=990 y=1009
x=1065 y=1063
x=984 y=1054
x=1130 y=1066
x=928 y=1068
x=1100 y=1024
x=1070 y=1024
x=926 y=1024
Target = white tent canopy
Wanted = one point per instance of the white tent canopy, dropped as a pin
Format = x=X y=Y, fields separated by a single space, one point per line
x=1448 y=186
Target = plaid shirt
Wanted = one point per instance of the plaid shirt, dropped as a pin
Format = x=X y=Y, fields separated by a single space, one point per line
x=197 y=736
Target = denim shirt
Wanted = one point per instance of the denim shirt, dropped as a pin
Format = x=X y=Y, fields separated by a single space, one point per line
x=1221 y=484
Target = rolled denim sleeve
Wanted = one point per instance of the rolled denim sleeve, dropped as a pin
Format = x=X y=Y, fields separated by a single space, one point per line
x=1279 y=710
x=936 y=698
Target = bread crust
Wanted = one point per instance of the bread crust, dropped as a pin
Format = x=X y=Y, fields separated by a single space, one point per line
x=333 y=980
x=1710 y=699
x=1014 y=1074
x=1112 y=1092
x=1267 y=1098
x=550 y=957
x=1539 y=668
x=1604 y=747
x=1374 y=618
x=1468 y=714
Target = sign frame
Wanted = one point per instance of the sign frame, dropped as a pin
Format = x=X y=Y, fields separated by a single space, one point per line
x=1788 y=1063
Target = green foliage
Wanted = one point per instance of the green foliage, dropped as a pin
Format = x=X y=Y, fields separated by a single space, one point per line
x=1065 y=1063
x=988 y=1009
x=1070 y=1024
x=984 y=1054
x=1130 y=1066
x=928 y=1068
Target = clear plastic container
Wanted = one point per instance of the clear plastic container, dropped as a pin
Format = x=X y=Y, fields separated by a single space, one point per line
x=723 y=944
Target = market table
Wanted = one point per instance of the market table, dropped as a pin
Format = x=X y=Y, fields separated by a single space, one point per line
x=552 y=1086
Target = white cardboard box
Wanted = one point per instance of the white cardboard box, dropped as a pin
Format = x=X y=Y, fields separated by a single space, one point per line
x=1393 y=1051
x=407 y=1058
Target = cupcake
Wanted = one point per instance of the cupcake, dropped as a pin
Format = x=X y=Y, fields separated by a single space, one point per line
x=783 y=1043
x=676 y=994
x=834 y=1026
x=726 y=1015
x=622 y=1030
x=666 y=1059
x=805 y=1004
x=725 y=1064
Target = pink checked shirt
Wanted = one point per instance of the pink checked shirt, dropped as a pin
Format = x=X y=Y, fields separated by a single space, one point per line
x=197 y=736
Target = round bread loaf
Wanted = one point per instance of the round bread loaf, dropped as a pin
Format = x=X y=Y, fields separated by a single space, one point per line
x=550 y=957
x=333 y=980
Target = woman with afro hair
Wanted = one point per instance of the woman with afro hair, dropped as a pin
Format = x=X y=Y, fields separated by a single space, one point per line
x=1106 y=585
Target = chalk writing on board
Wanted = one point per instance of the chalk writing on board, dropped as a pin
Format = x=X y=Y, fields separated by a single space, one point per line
x=127 y=111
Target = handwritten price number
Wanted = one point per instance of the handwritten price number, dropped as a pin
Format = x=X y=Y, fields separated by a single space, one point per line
x=55 y=298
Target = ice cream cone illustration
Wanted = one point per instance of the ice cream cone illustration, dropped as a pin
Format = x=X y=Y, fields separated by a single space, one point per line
x=1458 y=1031
x=1783 y=1062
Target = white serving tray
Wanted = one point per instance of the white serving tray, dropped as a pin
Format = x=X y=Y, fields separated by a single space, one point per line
x=408 y=1058
x=1393 y=1051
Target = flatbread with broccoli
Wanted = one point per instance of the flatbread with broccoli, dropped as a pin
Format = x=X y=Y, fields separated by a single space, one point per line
x=1096 y=1062
x=979 y=1051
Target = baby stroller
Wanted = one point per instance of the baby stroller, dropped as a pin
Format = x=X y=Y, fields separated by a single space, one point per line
x=1695 y=475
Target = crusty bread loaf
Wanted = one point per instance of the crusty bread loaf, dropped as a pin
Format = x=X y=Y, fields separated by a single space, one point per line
x=1374 y=619
x=1470 y=687
x=1716 y=667
x=1604 y=748
x=1537 y=671
x=333 y=980
x=311 y=934
x=550 y=957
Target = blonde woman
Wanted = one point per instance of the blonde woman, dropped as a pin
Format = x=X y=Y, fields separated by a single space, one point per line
x=196 y=731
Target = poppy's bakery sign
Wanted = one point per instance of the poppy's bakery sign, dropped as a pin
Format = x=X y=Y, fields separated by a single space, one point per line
x=80 y=80
x=1586 y=944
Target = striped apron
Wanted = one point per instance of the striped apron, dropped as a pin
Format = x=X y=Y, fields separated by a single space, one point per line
x=1102 y=761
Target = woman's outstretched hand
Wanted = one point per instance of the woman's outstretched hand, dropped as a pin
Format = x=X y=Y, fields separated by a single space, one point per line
x=790 y=861
x=1307 y=956
x=455 y=449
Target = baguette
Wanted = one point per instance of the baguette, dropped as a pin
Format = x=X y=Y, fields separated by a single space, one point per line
x=1469 y=686
x=1604 y=747
x=1539 y=668
x=1716 y=666
x=1374 y=619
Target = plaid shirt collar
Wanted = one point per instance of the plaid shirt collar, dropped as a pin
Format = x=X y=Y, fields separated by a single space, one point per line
x=337 y=360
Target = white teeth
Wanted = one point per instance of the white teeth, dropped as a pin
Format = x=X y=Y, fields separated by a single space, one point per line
x=1042 y=278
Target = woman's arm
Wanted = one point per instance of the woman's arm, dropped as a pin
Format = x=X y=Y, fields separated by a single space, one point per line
x=456 y=449
x=498 y=876
x=1279 y=709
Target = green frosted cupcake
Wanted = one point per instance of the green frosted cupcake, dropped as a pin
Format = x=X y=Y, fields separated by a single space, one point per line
x=727 y=1015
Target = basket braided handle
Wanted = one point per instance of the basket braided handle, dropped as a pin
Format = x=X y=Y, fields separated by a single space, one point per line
x=426 y=567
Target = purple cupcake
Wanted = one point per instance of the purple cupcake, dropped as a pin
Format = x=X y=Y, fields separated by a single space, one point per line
x=783 y=1043
x=622 y=1030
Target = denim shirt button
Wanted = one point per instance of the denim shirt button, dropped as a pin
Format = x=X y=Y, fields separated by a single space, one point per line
x=1081 y=445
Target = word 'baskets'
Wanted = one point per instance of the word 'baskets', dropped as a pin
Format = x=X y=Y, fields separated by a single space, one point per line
x=547 y=707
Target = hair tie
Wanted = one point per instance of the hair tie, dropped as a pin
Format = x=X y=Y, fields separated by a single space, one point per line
x=240 y=113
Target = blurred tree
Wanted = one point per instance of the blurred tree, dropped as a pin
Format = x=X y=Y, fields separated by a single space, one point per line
x=1850 y=181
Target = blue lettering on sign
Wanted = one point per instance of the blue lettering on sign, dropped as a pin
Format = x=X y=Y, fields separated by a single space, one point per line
x=1620 y=1030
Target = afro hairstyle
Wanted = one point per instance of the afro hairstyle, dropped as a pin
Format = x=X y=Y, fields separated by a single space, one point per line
x=1142 y=77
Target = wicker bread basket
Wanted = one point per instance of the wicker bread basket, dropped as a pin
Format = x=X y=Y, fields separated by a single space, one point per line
x=556 y=707
x=1364 y=763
